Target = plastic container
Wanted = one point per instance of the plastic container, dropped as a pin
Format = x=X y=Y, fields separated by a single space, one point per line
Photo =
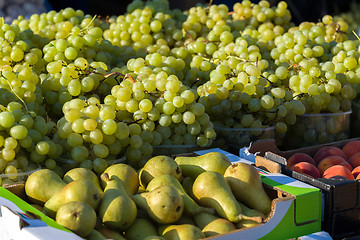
x=16 y=177
x=170 y=150
x=232 y=139
x=314 y=129
x=68 y=164
x=354 y=120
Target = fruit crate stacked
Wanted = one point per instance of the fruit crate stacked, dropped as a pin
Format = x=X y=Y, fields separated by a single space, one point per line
x=341 y=192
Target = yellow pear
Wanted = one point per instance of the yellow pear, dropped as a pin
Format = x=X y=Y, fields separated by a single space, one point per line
x=110 y=233
x=79 y=217
x=212 y=225
x=181 y=232
x=125 y=173
x=79 y=190
x=159 y=165
x=245 y=182
x=117 y=210
x=190 y=206
x=42 y=185
x=140 y=229
x=211 y=190
x=212 y=161
x=163 y=204
x=82 y=173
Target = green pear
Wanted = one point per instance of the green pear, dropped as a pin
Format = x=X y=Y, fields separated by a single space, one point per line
x=187 y=184
x=110 y=233
x=164 y=204
x=154 y=238
x=125 y=173
x=79 y=217
x=185 y=219
x=245 y=223
x=218 y=226
x=140 y=229
x=211 y=190
x=96 y=235
x=82 y=173
x=190 y=206
x=245 y=182
x=117 y=210
x=181 y=232
x=42 y=185
x=159 y=165
x=252 y=213
x=79 y=190
x=212 y=225
x=212 y=161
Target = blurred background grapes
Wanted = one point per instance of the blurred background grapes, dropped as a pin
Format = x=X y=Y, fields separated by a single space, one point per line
x=302 y=10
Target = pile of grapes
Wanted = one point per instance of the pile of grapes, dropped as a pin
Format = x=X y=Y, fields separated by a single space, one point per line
x=92 y=90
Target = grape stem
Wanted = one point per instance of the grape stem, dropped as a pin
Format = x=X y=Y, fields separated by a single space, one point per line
x=12 y=89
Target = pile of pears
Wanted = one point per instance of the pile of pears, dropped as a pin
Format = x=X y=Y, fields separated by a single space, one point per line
x=186 y=197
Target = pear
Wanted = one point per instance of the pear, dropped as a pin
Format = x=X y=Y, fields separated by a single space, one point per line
x=187 y=184
x=79 y=190
x=245 y=182
x=42 y=185
x=251 y=213
x=211 y=190
x=218 y=226
x=125 y=173
x=110 y=233
x=117 y=210
x=159 y=165
x=154 y=238
x=37 y=206
x=95 y=235
x=82 y=173
x=190 y=206
x=185 y=219
x=163 y=204
x=212 y=161
x=181 y=232
x=212 y=225
x=79 y=217
x=140 y=229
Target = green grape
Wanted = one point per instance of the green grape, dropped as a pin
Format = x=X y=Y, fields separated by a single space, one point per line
x=109 y=126
x=18 y=132
x=42 y=148
x=7 y=119
x=99 y=165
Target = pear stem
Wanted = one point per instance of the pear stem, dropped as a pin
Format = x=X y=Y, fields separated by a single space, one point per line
x=105 y=177
x=255 y=219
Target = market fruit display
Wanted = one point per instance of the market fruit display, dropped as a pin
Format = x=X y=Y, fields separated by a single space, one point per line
x=219 y=203
x=329 y=161
x=84 y=91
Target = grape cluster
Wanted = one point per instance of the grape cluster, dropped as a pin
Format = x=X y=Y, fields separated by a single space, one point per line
x=88 y=91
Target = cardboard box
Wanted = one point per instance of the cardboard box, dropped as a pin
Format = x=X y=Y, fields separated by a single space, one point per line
x=296 y=209
x=19 y=220
x=341 y=210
